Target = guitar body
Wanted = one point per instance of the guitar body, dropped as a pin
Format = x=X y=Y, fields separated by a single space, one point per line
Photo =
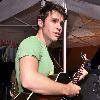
x=61 y=77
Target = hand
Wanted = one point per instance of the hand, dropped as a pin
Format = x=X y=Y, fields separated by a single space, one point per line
x=83 y=73
x=72 y=89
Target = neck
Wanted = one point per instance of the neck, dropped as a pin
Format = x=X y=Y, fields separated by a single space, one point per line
x=41 y=36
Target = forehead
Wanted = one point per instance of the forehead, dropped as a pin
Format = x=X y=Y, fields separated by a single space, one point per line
x=56 y=14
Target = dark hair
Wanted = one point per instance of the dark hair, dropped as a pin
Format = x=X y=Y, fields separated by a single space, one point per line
x=49 y=7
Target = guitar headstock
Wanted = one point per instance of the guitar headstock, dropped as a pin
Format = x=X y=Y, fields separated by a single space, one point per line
x=86 y=63
x=83 y=56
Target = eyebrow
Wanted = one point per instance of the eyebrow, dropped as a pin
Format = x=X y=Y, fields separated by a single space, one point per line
x=57 y=19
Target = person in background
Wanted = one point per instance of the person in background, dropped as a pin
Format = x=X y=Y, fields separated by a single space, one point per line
x=33 y=63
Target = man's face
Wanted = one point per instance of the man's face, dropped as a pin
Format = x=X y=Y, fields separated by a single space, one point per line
x=52 y=26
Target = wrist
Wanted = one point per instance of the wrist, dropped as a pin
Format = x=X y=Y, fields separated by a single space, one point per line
x=65 y=89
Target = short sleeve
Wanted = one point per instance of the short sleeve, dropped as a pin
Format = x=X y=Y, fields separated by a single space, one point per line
x=29 y=47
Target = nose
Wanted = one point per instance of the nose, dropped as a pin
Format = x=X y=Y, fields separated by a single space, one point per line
x=59 y=28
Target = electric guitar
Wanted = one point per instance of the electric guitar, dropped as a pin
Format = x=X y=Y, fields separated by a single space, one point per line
x=62 y=78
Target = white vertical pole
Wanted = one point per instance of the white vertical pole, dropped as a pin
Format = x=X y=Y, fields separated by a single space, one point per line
x=64 y=42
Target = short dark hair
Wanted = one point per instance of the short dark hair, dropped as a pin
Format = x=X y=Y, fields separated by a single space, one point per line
x=49 y=7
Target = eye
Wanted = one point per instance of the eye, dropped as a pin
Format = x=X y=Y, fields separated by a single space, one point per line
x=54 y=20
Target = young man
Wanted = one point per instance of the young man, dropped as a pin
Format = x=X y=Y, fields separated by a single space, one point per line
x=33 y=63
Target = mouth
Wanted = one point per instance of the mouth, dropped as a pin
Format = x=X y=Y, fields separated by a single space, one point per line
x=57 y=34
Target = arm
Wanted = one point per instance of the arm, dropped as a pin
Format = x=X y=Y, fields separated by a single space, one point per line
x=38 y=83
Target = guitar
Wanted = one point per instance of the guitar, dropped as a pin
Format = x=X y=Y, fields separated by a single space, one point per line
x=57 y=77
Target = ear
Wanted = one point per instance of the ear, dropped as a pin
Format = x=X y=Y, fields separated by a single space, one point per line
x=40 y=23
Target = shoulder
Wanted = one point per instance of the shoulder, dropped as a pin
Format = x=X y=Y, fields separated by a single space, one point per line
x=31 y=41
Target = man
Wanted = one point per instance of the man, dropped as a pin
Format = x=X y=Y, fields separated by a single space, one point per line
x=33 y=63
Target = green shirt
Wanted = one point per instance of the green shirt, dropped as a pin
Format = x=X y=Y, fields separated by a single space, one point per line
x=32 y=46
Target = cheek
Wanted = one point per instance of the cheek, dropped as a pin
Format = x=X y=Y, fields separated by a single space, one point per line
x=45 y=30
x=48 y=27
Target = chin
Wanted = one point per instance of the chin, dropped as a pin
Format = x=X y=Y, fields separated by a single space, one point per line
x=55 y=40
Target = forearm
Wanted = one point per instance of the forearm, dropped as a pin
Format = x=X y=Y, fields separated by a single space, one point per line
x=43 y=85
